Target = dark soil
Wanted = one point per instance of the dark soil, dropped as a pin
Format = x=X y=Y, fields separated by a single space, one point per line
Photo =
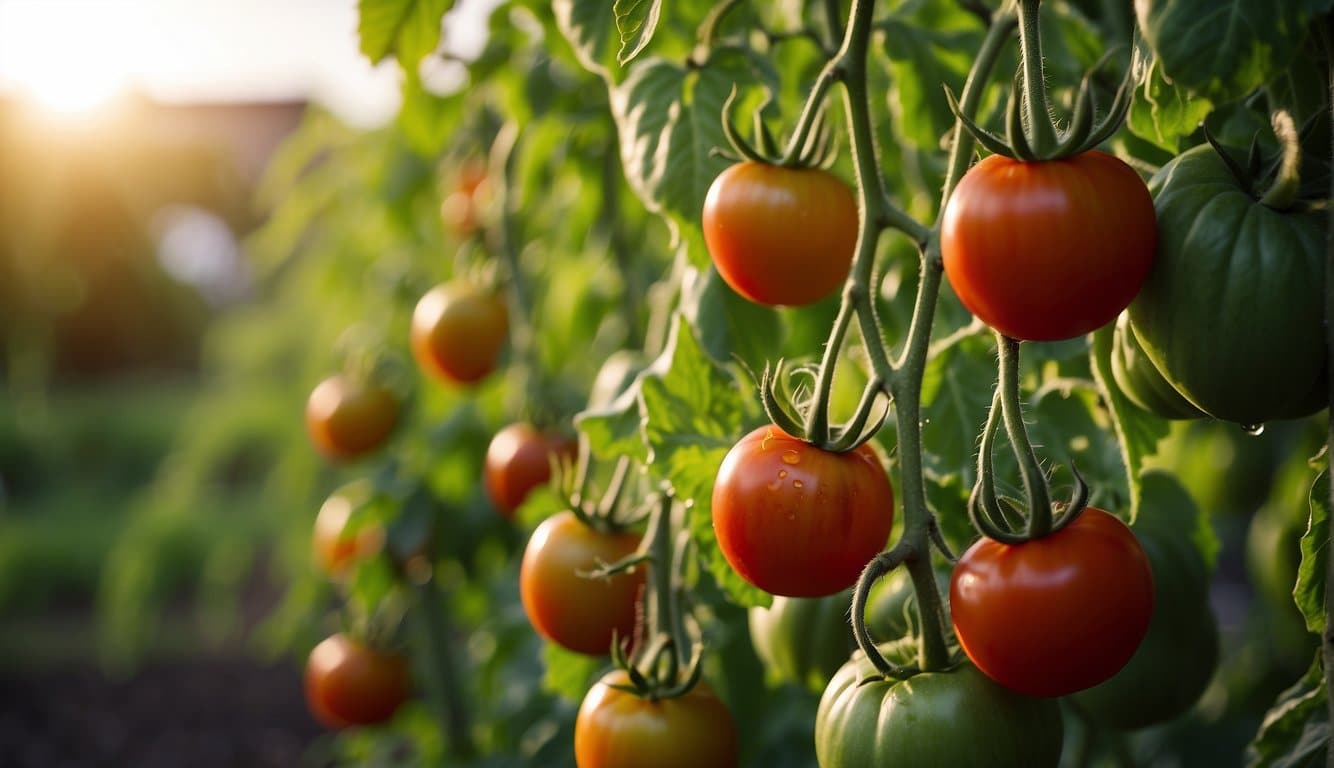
x=201 y=714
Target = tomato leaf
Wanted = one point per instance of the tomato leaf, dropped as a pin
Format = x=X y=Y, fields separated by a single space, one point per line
x=1138 y=433
x=1162 y=112
x=922 y=55
x=1223 y=49
x=693 y=414
x=668 y=110
x=591 y=31
x=408 y=28
x=1295 y=731
x=636 y=20
x=729 y=324
x=1310 y=589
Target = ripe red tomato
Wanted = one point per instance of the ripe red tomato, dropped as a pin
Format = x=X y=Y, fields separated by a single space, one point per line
x=798 y=521
x=1057 y=614
x=780 y=236
x=1043 y=251
x=578 y=613
x=347 y=419
x=458 y=332
x=617 y=729
x=348 y=683
x=519 y=460
x=335 y=548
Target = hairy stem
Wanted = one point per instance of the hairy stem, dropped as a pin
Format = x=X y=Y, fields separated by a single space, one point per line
x=1035 y=483
x=1042 y=134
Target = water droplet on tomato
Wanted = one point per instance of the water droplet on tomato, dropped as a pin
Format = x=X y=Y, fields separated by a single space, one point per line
x=782 y=473
x=791 y=457
x=1254 y=430
x=798 y=484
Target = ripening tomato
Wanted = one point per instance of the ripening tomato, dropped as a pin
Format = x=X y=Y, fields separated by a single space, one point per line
x=1051 y=250
x=518 y=460
x=458 y=332
x=579 y=613
x=334 y=546
x=461 y=209
x=347 y=419
x=617 y=729
x=780 y=236
x=348 y=683
x=796 y=520
x=1057 y=614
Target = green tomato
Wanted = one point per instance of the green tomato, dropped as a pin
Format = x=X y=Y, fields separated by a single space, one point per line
x=958 y=718
x=1179 y=653
x=1141 y=381
x=1233 y=310
x=803 y=639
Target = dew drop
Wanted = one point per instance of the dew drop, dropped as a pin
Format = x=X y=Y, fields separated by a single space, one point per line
x=1254 y=430
x=798 y=484
x=791 y=457
x=782 y=473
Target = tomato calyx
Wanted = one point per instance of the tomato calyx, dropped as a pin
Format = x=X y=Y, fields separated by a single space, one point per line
x=814 y=427
x=1030 y=132
x=810 y=146
x=1274 y=182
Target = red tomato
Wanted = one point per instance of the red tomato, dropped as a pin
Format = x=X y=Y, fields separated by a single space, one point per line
x=796 y=520
x=617 y=729
x=578 y=613
x=1050 y=250
x=1057 y=614
x=458 y=332
x=348 y=683
x=347 y=419
x=334 y=547
x=780 y=236
x=518 y=460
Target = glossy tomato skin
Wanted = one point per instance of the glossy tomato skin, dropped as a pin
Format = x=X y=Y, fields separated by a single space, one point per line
x=334 y=546
x=578 y=613
x=957 y=718
x=348 y=683
x=347 y=419
x=458 y=332
x=780 y=236
x=796 y=520
x=519 y=460
x=1043 y=251
x=1057 y=614
x=1140 y=380
x=617 y=729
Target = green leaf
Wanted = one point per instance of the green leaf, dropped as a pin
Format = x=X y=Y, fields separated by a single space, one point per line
x=590 y=28
x=1137 y=432
x=729 y=324
x=669 y=118
x=569 y=674
x=1310 y=589
x=693 y=415
x=615 y=430
x=1223 y=49
x=1162 y=112
x=408 y=28
x=1295 y=731
x=920 y=60
x=636 y=20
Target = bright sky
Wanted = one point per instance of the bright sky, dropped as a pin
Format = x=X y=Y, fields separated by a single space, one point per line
x=72 y=55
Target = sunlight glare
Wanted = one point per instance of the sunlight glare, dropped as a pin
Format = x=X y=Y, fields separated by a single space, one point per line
x=69 y=69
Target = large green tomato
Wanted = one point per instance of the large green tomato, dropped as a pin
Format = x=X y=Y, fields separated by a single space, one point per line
x=1233 y=310
x=1179 y=653
x=953 y=719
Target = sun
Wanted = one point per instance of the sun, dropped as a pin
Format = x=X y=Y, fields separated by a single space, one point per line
x=63 y=68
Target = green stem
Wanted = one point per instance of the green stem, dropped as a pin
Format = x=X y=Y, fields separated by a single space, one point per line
x=817 y=418
x=434 y=618
x=1041 y=133
x=1035 y=483
x=1283 y=192
x=961 y=148
x=658 y=596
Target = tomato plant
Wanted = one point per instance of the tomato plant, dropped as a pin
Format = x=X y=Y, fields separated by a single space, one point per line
x=518 y=460
x=458 y=332
x=952 y=717
x=347 y=419
x=1057 y=614
x=349 y=683
x=780 y=236
x=580 y=613
x=1049 y=250
x=617 y=728
x=334 y=545
x=796 y=520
